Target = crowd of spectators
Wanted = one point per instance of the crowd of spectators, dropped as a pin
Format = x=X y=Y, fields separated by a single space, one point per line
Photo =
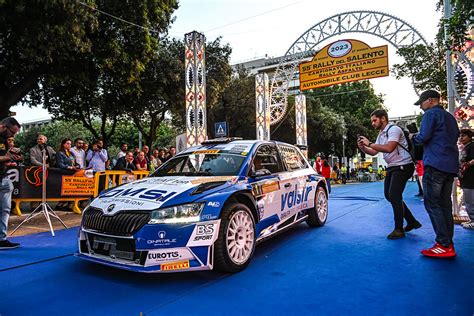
x=79 y=155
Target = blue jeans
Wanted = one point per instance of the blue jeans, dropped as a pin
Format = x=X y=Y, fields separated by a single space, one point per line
x=6 y=189
x=437 y=187
x=468 y=195
x=328 y=182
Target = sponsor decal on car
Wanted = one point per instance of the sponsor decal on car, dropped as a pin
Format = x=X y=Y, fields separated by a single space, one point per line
x=175 y=266
x=295 y=201
x=140 y=193
x=161 y=256
x=213 y=204
x=295 y=198
x=213 y=179
x=167 y=181
x=162 y=241
x=208 y=216
x=204 y=233
x=261 y=188
x=208 y=151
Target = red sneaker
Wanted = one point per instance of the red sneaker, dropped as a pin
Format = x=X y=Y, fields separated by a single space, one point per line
x=440 y=251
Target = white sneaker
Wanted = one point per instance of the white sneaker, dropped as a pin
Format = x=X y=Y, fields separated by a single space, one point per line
x=468 y=225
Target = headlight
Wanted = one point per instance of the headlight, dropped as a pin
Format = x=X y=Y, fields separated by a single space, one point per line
x=184 y=213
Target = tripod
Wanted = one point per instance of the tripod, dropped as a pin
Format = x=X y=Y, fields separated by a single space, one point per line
x=44 y=207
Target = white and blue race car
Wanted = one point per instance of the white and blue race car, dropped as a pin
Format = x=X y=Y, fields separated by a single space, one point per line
x=205 y=208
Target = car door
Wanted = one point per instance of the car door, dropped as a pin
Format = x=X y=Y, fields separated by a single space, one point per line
x=266 y=166
x=298 y=191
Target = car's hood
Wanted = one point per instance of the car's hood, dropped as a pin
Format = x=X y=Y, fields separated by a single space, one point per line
x=152 y=193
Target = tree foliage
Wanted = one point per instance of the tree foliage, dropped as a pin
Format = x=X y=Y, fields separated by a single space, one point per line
x=338 y=111
x=38 y=39
x=162 y=86
x=331 y=113
x=236 y=106
x=460 y=23
x=426 y=65
x=95 y=83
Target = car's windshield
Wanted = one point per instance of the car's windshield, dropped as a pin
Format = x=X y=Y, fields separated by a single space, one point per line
x=202 y=163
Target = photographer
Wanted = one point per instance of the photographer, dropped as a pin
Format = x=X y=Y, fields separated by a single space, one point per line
x=400 y=168
x=8 y=128
x=97 y=157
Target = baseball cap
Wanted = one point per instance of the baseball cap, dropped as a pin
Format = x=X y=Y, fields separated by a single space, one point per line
x=425 y=95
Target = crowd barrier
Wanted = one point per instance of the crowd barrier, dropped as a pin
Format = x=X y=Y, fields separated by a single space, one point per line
x=64 y=185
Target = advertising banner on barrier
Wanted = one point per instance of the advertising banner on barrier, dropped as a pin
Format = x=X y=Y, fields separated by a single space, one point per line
x=60 y=183
x=344 y=61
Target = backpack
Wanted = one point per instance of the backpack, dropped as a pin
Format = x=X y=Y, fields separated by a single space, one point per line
x=415 y=151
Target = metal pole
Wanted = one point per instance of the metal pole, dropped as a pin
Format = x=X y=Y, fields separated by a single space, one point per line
x=449 y=64
x=140 y=140
x=344 y=149
x=449 y=86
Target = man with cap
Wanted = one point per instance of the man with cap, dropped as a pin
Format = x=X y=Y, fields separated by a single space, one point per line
x=438 y=134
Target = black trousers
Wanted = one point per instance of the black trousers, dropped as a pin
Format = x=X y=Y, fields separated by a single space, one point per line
x=394 y=185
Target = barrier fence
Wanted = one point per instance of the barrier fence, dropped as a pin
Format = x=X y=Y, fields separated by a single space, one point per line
x=64 y=185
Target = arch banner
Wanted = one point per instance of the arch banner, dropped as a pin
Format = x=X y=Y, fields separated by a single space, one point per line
x=344 y=61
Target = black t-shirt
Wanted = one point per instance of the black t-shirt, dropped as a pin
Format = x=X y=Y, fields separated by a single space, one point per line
x=467 y=154
x=3 y=152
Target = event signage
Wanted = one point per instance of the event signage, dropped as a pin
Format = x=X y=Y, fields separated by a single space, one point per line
x=344 y=61
x=60 y=183
x=76 y=185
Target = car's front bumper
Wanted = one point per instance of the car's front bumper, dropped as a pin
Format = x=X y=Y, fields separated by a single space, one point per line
x=155 y=248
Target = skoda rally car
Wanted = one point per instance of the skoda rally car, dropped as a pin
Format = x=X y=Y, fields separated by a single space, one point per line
x=206 y=207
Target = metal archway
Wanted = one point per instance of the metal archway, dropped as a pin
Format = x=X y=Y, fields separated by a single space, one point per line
x=392 y=29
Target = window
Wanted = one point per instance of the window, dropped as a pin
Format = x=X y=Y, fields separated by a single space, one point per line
x=202 y=164
x=292 y=158
x=266 y=157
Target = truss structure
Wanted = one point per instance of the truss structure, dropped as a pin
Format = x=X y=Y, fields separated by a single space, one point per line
x=392 y=29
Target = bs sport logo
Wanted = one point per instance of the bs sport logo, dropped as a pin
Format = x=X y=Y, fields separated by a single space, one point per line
x=34 y=175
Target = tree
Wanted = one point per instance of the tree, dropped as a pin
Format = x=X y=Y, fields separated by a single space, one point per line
x=236 y=107
x=426 y=65
x=162 y=84
x=39 y=38
x=459 y=24
x=340 y=110
x=95 y=84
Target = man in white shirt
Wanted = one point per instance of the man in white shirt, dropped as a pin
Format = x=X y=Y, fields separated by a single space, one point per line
x=392 y=143
x=78 y=152
x=123 y=151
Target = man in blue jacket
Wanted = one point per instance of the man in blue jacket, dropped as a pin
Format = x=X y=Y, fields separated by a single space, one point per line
x=439 y=134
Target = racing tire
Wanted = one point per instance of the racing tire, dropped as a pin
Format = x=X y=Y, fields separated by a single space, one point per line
x=235 y=245
x=318 y=215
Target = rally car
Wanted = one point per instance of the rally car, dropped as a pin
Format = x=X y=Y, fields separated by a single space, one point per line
x=205 y=208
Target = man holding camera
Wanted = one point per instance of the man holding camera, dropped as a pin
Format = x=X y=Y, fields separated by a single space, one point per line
x=391 y=142
x=8 y=128
x=97 y=157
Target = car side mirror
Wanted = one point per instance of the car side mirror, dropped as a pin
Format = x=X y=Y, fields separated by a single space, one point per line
x=261 y=173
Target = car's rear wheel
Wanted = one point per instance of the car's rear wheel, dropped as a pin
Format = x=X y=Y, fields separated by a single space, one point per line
x=318 y=215
x=235 y=245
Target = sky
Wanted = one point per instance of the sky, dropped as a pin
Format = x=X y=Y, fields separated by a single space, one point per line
x=255 y=28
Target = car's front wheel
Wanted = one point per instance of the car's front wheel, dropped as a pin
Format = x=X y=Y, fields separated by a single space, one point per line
x=235 y=245
x=318 y=215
